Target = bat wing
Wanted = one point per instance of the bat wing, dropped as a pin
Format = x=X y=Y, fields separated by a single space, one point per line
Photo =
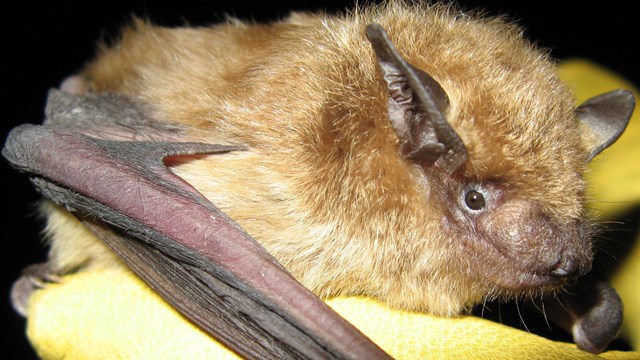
x=103 y=157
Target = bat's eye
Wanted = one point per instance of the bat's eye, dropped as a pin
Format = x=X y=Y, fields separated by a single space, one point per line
x=474 y=200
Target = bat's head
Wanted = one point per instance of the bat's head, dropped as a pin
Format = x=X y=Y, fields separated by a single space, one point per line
x=501 y=168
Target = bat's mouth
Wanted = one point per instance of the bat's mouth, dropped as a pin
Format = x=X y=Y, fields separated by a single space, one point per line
x=542 y=279
x=529 y=280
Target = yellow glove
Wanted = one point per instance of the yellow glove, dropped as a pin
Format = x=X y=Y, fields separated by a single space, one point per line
x=111 y=314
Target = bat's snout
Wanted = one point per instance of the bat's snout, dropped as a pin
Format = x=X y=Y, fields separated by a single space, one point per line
x=532 y=245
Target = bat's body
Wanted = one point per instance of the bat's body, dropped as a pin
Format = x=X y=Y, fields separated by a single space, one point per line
x=322 y=186
x=342 y=196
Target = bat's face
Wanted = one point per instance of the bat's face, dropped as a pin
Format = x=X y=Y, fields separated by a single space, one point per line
x=514 y=211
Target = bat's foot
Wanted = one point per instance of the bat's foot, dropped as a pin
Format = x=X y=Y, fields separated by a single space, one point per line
x=591 y=311
x=599 y=317
x=33 y=277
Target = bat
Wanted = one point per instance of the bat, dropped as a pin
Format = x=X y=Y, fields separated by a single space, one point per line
x=432 y=168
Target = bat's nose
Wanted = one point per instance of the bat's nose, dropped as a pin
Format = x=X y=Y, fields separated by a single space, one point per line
x=564 y=269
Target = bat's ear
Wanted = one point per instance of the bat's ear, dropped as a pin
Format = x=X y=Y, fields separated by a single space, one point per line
x=417 y=108
x=605 y=117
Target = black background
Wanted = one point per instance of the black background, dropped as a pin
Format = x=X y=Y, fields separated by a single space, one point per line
x=42 y=43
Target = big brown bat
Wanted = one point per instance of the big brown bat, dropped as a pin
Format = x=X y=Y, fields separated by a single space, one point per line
x=416 y=154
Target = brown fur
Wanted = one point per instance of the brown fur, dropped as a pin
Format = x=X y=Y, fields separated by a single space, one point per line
x=323 y=186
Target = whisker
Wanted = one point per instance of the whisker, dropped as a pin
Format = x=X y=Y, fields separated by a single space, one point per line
x=484 y=306
x=544 y=315
x=521 y=319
